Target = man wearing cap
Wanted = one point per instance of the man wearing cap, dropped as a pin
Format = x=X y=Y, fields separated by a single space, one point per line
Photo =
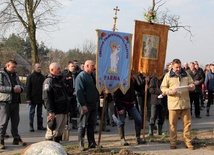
x=55 y=100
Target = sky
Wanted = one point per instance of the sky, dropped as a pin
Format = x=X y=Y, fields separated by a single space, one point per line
x=82 y=17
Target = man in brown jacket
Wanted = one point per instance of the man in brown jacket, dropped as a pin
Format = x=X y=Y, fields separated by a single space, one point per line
x=176 y=85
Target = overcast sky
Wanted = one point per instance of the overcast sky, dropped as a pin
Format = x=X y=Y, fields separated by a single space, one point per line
x=82 y=17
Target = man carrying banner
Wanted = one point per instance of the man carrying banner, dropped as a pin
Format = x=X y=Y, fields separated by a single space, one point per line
x=173 y=86
x=126 y=103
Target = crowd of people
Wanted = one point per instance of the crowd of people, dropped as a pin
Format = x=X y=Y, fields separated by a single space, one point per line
x=70 y=97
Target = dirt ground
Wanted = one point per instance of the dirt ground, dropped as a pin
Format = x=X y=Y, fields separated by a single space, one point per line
x=111 y=145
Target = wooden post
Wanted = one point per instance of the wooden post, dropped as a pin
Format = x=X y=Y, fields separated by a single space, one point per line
x=144 y=114
x=102 y=117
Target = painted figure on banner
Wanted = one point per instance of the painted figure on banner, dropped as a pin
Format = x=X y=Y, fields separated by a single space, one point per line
x=115 y=49
x=150 y=46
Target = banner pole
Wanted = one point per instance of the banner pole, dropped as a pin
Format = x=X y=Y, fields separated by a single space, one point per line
x=145 y=102
x=102 y=117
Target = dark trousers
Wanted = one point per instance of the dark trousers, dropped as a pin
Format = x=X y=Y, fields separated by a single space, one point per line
x=157 y=113
x=165 y=105
x=87 y=121
x=194 y=99
x=201 y=98
x=210 y=98
x=134 y=113
x=9 y=111
x=72 y=107
x=110 y=110
x=140 y=106
x=38 y=109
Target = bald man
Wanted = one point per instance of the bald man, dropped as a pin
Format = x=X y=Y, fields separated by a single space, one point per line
x=55 y=100
x=186 y=66
x=87 y=96
x=34 y=96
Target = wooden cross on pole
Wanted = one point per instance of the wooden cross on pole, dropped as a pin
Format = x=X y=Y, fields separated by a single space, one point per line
x=115 y=18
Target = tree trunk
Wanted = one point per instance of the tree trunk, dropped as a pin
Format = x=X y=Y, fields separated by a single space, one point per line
x=32 y=33
x=34 y=52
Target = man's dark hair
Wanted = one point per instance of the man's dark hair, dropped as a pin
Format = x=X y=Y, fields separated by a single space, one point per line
x=12 y=61
x=176 y=61
x=69 y=62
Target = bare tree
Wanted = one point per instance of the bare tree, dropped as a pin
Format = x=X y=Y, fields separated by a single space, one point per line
x=26 y=16
x=89 y=46
x=163 y=17
x=5 y=56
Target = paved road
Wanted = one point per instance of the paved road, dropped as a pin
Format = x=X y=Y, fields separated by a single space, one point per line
x=205 y=123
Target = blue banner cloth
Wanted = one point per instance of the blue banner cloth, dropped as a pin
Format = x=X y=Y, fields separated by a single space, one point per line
x=113 y=61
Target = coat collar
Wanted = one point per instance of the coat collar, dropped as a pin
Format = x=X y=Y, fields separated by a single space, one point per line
x=182 y=73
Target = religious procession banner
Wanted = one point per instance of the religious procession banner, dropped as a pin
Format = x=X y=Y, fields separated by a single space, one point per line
x=150 y=43
x=113 y=61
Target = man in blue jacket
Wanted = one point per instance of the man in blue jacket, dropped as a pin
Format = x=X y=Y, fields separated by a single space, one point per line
x=87 y=96
x=209 y=83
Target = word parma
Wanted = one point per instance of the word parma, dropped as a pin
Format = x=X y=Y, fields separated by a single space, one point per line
x=111 y=77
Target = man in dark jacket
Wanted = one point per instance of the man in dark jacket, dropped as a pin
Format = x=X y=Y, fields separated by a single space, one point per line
x=157 y=107
x=201 y=72
x=140 y=95
x=10 y=89
x=55 y=99
x=69 y=76
x=198 y=79
x=126 y=103
x=34 y=96
x=87 y=96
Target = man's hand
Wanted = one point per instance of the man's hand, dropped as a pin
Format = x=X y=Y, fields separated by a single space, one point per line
x=121 y=112
x=163 y=94
x=17 y=89
x=51 y=116
x=29 y=102
x=84 y=109
x=173 y=92
x=196 y=82
x=191 y=88
x=147 y=78
x=68 y=78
